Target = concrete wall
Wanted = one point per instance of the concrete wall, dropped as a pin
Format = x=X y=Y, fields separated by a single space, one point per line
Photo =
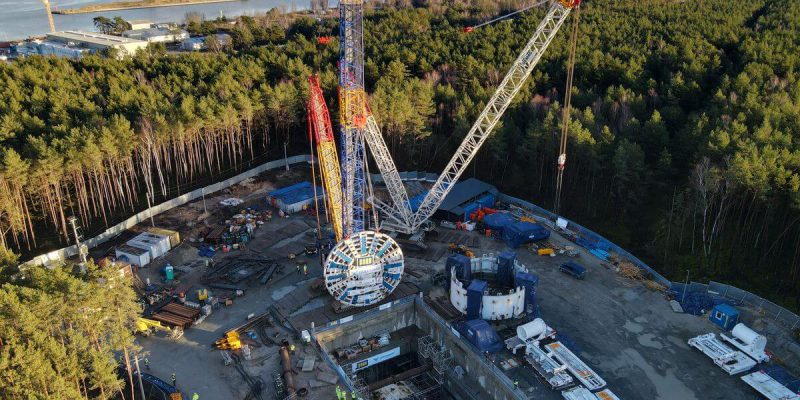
x=413 y=311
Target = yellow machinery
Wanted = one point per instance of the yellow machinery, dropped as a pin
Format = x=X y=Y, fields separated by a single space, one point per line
x=461 y=249
x=146 y=327
x=230 y=341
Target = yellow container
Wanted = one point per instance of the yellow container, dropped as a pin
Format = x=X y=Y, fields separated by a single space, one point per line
x=545 y=252
x=174 y=236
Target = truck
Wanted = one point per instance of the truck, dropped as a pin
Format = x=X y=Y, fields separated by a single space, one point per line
x=573 y=269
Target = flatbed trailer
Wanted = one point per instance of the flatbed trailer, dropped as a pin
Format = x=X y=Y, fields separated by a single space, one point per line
x=731 y=361
x=551 y=371
x=606 y=394
x=578 y=393
x=769 y=387
x=576 y=366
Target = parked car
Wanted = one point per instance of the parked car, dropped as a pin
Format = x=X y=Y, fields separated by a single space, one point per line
x=574 y=269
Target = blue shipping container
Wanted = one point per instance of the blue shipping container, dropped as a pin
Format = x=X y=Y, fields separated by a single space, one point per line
x=725 y=316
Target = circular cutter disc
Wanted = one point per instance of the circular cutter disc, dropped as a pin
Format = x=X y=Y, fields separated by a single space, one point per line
x=364 y=268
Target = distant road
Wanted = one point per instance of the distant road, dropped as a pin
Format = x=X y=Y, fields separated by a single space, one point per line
x=130 y=5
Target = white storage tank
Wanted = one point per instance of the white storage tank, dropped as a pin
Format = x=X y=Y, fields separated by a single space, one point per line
x=532 y=330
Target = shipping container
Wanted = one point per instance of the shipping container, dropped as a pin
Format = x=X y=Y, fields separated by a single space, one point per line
x=133 y=255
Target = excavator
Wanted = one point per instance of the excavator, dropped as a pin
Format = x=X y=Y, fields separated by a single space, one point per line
x=147 y=327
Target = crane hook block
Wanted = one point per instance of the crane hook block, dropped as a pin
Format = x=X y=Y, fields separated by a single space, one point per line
x=562 y=160
x=468 y=29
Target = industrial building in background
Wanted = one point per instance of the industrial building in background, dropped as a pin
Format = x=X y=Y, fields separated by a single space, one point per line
x=76 y=44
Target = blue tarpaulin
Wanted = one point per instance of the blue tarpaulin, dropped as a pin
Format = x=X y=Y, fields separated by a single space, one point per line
x=294 y=198
x=416 y=201
x=481 y=335
x=498 y=221
x=783 y=377
x=522 y=232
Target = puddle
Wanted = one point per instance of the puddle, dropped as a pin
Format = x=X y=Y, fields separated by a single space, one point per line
x=280 y=293
x=311 y=305
x=633 y=327
x=649 y=340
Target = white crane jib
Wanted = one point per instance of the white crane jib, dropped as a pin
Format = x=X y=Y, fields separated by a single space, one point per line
x=399 y=217
x=480 y=131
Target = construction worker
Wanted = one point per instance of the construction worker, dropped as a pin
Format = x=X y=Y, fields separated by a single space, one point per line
x=338 y=393
x=174 y=380
x=147 y=363
x=305 y=269
x=298 y=268
x=291 y=348
x=516 y=384
x=195 y=396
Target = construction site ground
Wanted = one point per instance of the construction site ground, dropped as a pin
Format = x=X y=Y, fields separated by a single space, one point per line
x=626 y=332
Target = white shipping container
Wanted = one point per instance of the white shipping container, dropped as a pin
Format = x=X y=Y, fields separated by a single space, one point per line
x=134 y=255
x=157 y=245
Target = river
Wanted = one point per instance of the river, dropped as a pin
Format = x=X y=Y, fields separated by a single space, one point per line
x=22 y=18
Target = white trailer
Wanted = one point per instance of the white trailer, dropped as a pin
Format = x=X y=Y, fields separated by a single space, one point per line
x=528 y=337
x=576 y=366
x=748 y=341
x=769 y=387
x=550 y=370
x=731 y=361
x=606 y=394
x=578 y=393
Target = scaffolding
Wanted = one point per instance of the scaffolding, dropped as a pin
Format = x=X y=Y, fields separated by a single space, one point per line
x=440 y=358
x=360 y=387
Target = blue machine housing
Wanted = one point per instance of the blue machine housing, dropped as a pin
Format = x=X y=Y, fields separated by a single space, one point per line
x=522 y=232
x=725 y=316
x=480 y=334
x=529 y=282
x=462 y=264
x=505 y=268
x=475 y=292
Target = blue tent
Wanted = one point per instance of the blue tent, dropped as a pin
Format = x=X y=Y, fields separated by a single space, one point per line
x=519 y=233
x=481 y=335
